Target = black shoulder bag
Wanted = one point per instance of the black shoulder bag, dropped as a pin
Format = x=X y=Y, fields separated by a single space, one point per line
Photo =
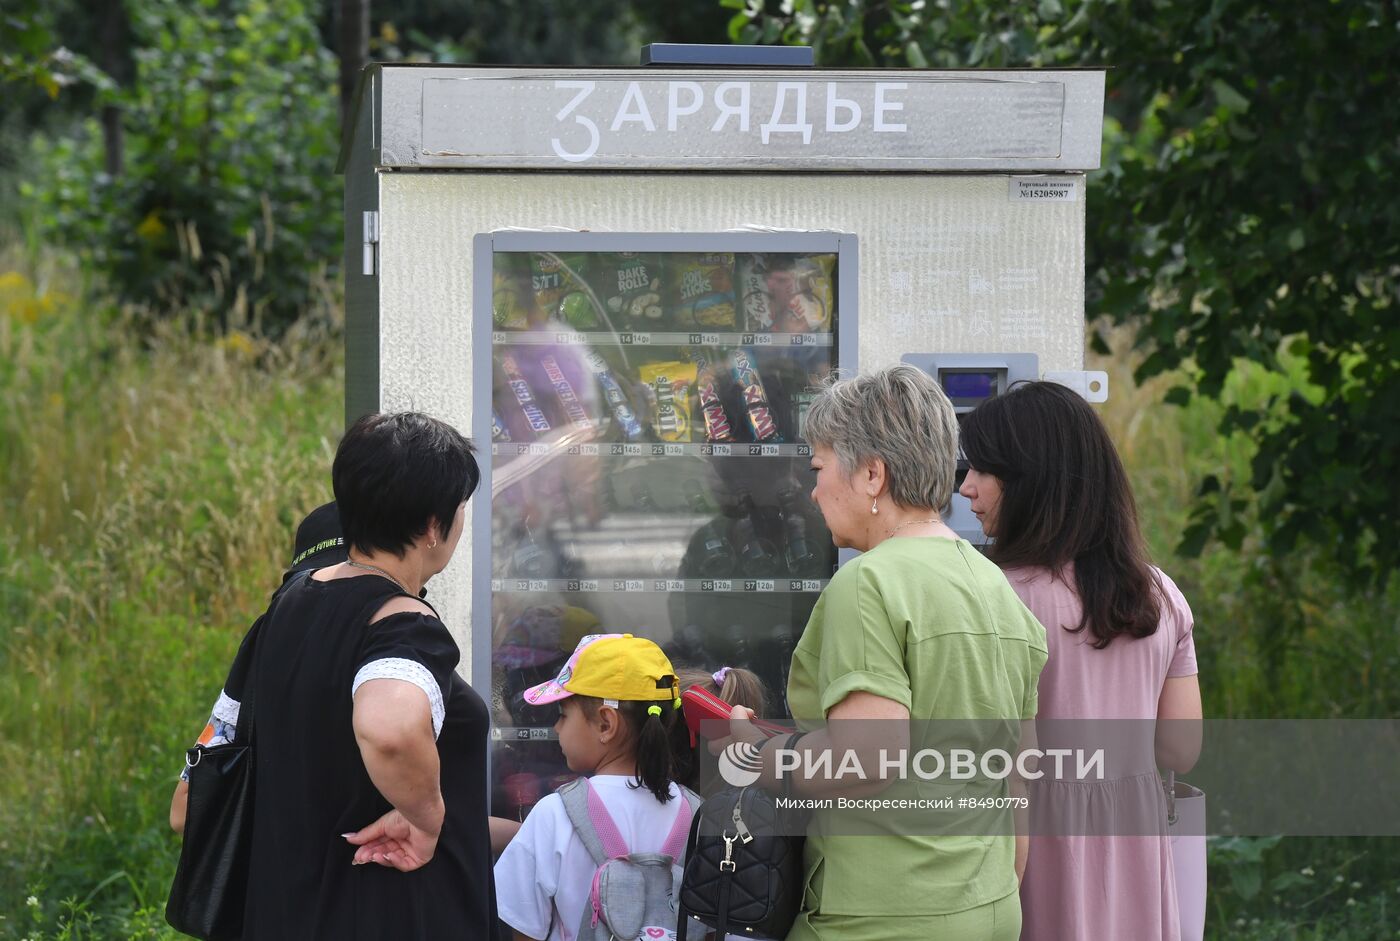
x=743 y=864
x=210 y=889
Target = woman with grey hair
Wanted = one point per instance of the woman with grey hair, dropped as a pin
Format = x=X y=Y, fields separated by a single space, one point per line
x=918 y=629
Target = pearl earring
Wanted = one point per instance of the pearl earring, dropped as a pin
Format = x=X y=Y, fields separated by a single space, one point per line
x=874 y=506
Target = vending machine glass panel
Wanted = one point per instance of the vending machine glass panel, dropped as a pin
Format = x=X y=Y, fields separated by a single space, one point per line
x=644 y=398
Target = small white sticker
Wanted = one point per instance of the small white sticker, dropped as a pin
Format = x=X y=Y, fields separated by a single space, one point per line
x=1044 y=189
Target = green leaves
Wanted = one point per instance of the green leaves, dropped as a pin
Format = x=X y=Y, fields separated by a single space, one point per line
x=1246 y=203
x=229 y=200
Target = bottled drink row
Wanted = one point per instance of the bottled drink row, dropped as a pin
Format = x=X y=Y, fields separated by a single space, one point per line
x=620 y=291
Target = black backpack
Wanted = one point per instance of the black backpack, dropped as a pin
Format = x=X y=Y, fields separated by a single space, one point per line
x=743 y=866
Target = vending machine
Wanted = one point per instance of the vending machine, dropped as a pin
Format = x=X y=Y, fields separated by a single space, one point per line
x=628 y=284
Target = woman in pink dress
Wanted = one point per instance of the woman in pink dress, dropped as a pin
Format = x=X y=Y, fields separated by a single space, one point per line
x=1049 y=488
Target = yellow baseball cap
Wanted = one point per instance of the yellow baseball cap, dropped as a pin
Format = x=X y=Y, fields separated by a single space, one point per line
x=611 y=666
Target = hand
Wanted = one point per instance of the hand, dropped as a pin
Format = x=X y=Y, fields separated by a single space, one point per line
x=394 y=842
x=741 y=729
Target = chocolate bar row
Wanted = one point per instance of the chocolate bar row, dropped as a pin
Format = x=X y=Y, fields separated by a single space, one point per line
x=704 y=396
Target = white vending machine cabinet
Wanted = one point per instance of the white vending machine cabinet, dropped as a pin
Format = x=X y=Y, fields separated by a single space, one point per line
x=626 y=284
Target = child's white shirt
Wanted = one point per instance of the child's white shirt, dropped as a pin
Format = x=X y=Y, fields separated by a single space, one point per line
x=546 y=869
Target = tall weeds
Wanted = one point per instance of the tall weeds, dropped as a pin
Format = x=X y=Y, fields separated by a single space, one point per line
x=151 y=475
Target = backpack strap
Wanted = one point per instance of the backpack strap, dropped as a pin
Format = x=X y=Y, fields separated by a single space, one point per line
x=592 y=822
x=674 y=846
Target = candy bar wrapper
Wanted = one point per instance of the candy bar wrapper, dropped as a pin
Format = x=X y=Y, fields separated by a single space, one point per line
x=670 y=383
x=564 y=392
x=559 y=289
x=499 y=432
x=623 y=416
x=704 y=290
x=751 y=287
x=511 y=300
x=756 y=407
x=524 y=397
x=717 y=427
x=803 y=294
x=630 y=286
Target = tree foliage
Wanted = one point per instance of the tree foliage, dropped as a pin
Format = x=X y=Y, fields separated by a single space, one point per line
x=230 y=200
x=1245 y=212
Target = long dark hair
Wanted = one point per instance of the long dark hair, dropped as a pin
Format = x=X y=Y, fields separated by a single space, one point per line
x=1065 y=499
x=651 y=734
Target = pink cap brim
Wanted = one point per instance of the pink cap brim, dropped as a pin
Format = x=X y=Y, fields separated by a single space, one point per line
x=553 y=690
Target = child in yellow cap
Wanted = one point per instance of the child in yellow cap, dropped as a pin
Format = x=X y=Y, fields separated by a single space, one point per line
x=619 y=700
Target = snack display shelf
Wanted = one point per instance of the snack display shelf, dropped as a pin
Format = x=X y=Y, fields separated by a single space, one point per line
x=659 y=585
x=653 y=449
x=548 y=337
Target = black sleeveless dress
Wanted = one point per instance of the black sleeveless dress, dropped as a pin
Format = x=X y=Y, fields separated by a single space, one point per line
x=312 y=786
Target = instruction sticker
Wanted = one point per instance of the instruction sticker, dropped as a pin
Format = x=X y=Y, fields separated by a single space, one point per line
x=1044 y=189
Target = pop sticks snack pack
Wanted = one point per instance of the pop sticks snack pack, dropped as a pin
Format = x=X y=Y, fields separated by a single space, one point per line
x=704 y=286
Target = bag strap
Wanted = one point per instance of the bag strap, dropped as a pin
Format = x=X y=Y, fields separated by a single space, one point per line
x=682 y=915
x=579 y=797
x=247 y=705
x=676 y=840
x=613 y=843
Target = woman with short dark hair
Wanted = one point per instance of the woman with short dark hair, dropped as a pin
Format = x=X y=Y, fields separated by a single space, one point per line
x=1048 y=486
x=371 y=793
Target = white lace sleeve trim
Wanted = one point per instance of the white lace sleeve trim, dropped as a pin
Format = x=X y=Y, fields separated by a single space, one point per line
x=409 y=671
x=226 y=709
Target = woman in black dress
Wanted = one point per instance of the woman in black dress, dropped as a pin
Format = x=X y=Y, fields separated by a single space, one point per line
x=371 y=789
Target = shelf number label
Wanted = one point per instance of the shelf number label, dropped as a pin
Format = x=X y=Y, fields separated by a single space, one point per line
x=707 y=585
x=572 y=585
x=521 y=584
x=658 y=450
x=804 y=450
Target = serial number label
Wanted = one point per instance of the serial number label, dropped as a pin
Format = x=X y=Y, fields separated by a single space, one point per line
x=1044 y=189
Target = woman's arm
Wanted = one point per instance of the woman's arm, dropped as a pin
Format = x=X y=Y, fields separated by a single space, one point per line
x=863 y=725
x=503 y=830
x=179 y=803
x=1178 y=739
x=394 y=729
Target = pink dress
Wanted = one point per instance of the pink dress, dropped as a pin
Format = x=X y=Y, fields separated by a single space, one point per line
x=1101 y=888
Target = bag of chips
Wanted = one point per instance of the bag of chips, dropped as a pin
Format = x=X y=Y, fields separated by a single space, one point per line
x=629 y=284
x=703 y=288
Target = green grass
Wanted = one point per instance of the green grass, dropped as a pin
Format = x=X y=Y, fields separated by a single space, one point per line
x=151 y=479
x=151 y=474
